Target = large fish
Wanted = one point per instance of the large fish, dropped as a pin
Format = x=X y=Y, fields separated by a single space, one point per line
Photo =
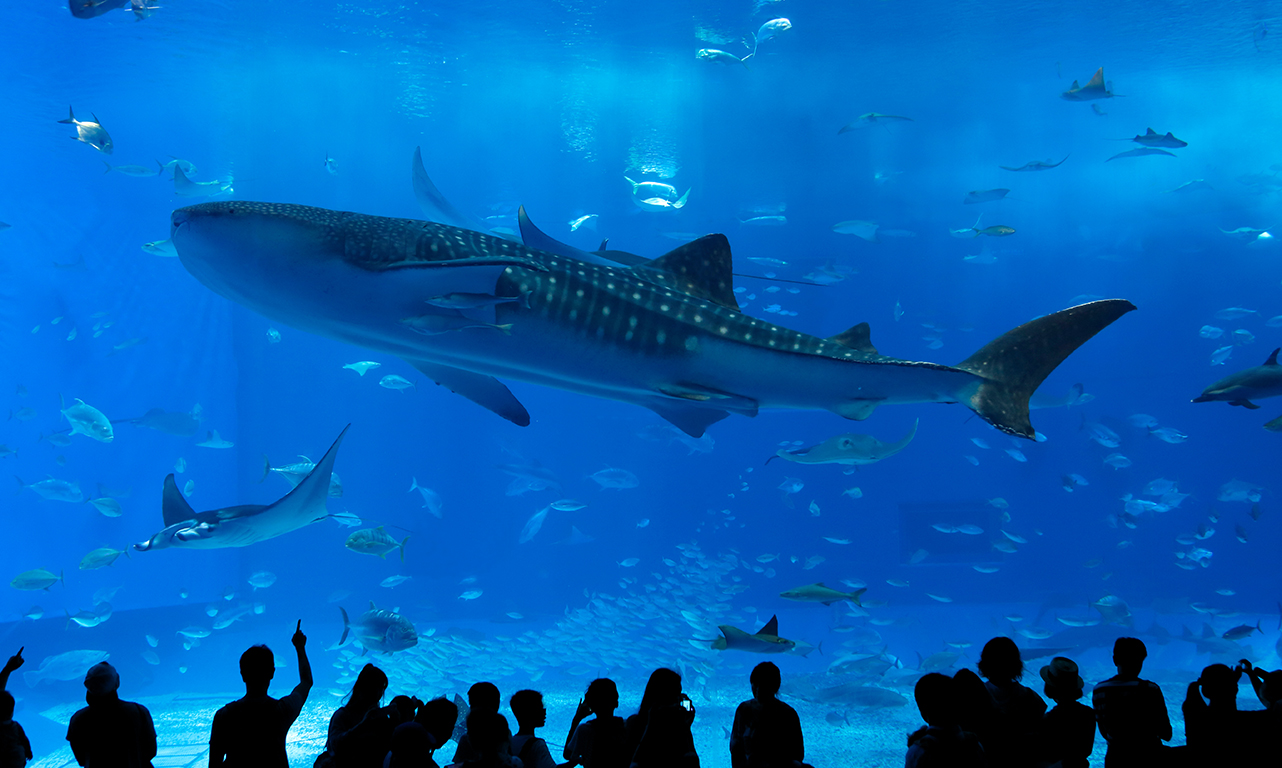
x=379 y=630
x=669 y=336
x=71 y=665
x=246 y=524
x=848 y=449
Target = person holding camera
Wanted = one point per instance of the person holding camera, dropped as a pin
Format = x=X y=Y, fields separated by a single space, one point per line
x=661 y=729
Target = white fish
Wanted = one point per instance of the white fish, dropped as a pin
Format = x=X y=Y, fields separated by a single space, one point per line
x=629 y=562
x=185 y=187
x=262 y=580
x=1210 y=332
x=164 y=248
x=88 y=421
x=567 y=505
x=431 y=499
x=392 y=581
x=398 y=383
x=363 y=367
x=588 y=221
x=214 y=440
x=471 y=594
x=533 y=525
x=615 y=478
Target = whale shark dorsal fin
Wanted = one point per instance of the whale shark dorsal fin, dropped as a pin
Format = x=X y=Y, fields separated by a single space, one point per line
x=857 y=337
x=771 y=628
x=174 y=507
x=604 y=242
x=372 y=607
x=702 y=268
x=1097 y=81
x=1273 y=358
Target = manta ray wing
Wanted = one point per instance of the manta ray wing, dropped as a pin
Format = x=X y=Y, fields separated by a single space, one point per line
x=306 y=503
x=173 y=506
x=434 y=205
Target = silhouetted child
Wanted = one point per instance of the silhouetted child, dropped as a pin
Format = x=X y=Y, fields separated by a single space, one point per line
x=661 y=729
x=1068 y=730
x=110 y=732
x=530 y=713
x=600 y=742
x=415 y=743
x=481 y=697
x=251 y=731
x=15 y=750
x=1130 y=712
x=766 y=731
x=1019 y=708
x=941 y=743
x=1267 y=685
x=1215 y=732
x=490 y=741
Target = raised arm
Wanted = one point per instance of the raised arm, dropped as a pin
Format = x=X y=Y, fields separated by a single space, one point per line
x=580 y=713
x=304 y=686
x=12 y=664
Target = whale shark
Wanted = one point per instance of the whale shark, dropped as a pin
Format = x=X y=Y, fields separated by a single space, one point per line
x=668 y=336
x=246 y=524
x=849 y=449
x=1244 y=386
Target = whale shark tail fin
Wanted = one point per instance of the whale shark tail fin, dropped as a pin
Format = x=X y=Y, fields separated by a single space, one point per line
x=1014 y=364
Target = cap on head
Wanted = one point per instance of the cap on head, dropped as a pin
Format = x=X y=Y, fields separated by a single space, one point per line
x=101 y=679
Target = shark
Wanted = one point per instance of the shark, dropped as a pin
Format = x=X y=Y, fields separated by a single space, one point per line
x=849 y=449
x=1244 y=386
x=246 y=524
x=668 y=336
x=766 y=640
x=1094 y=89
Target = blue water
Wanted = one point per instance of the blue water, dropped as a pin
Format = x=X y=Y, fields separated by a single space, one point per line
x=550 y=105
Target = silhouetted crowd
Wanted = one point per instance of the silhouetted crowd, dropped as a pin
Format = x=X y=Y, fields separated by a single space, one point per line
x=987 y=720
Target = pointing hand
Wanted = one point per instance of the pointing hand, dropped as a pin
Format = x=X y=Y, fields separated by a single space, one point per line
x=299 y=639
x=15 y=660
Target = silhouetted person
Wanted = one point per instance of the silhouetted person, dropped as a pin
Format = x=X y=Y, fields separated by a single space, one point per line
x=481 y=697
x=1068 y=730
x=976 y=711
x=15 y=749
x=661 y=728
x=251 y=731
x=766 y=731
x=1215 y=732
x=414 y=744
x=601 y=742
x=1130 y=712
x=941 y=743
x=1267 y=685
x=530 y=713
x=490 y=741
x=1019 y=708
x=348 y=744
x=110 y=732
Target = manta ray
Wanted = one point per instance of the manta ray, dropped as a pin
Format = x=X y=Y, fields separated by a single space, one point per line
x=246 y=524
x=1094 y=89
x=667 y=336
x=1034 y=165
x=849 y=449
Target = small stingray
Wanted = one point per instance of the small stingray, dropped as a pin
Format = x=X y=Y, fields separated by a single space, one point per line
x=1142 y=152
x=985 y=195
x=849 y=449
x=1035 y=165
x=1154 y=139
x=871 y=118
x=864 y=229
x=1094 y=89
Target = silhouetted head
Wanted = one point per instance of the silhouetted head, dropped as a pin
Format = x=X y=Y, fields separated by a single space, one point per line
x=1129 y=654
x=102 y=679
x=765 y=680
x=488 y=734
x=484 y=697
x=6 y=705
x=1219 y=684
x=528 y=707
x=411 y=745
x=368 y=689
x=999 y=661
x=663 y=689
x=936 y=699
x=1271 y=690
x=1063 y=683
x=438 y=716
x=257 y=665
x=602 y=696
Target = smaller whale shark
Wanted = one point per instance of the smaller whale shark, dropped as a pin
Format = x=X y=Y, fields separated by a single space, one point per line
x=1141 y=152
x=849 y=449
x=1154 y=139
x=245 y=524
x=1094 y=89
x=1244 y=386
x=1035 y=165
x=767 y=639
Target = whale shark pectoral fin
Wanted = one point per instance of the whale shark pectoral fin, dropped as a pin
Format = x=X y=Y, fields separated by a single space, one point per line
x=1012 y=366
x=486 y=391
x=174 y=508
x=856 y=410
x=701 y=268
x=690 y=418
x=857 y=337
x=433 y=204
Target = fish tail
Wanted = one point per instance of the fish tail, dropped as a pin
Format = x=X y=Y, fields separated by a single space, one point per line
x=267 y=468
x=413 y=485
x=347 y=625
x=72 y=119
x=719 y=644
x=109 y=168
x=402 y=545
x=506 y=328
x=1013 y=365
